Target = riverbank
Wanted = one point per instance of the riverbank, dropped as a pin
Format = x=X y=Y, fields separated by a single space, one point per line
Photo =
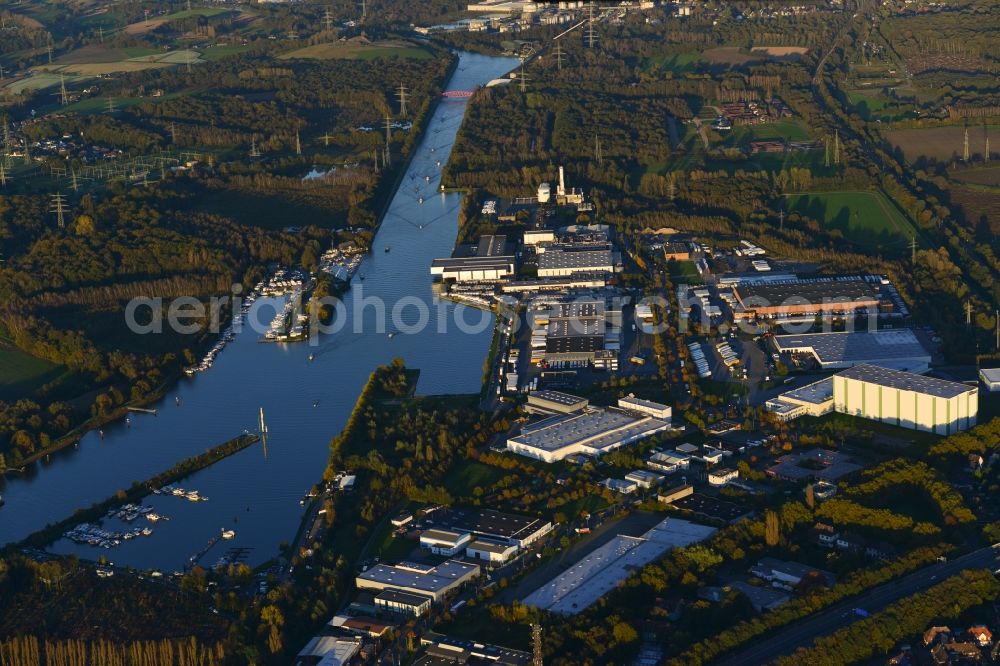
x=137 y=491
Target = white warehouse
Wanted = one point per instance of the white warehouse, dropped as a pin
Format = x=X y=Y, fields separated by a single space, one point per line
x=905 y=399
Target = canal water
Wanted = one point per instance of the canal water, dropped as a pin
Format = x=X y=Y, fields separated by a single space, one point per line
x=305 y=402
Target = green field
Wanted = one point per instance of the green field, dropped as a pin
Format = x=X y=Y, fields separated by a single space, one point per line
x=22 y=374
x=684 y=271
x=678 y=64
x=468 y=475
x=789 y=129
x=865 y=218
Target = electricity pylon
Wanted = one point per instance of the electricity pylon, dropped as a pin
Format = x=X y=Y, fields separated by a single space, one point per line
x=402 y=99
x=59 y=208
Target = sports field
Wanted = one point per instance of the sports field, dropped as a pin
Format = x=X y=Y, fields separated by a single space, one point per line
x=865 y=218
x=22 y=374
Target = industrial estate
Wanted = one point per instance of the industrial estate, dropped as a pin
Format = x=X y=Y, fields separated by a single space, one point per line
x=638 y=333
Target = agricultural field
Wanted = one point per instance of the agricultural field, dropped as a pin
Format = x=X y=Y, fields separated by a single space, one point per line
x=142 y=27
x=22 y=374
x=39 y=80
x=867 y=219
x=980 y=207
x=871 y=104
x=729 y=55
x=942 y=144
x=359 y=51
x=989 y=176
x=781 y=52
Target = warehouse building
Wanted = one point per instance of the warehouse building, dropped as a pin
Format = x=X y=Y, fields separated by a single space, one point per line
x=521 y=531
x=990 y=378
x=494 y=552
x=398 y=602
x=905 y=399
x=562 y=260
x=555 y=402
x=485 y=262
x=602 y=570
x=592 y=432
x=630 y=403
x=421 y=579
x=898 y=348
x=814 y=399
x=805 y=298
x=444 y=542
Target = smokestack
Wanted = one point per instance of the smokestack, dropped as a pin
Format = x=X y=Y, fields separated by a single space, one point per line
x=562 y=183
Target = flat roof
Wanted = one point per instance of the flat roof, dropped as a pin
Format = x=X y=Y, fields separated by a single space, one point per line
x=851 y=288
x=643 y=475
x=433 y=581
x=401 y=597
x=490 y=522
x=594 y=428
x=490 y=546
x=491 y=246
x=604 y=568
x=990 y=374
x=905 y=381
x=473 y=263
x=447 y=536
x=815 y=394
x=559 y=258
x=711 y=507
x=857 y=346
x=565 y=399
x=576 y=327
x=639 y=402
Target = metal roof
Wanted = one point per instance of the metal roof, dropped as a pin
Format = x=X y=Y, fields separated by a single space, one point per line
x=556 y=258
x=857 y=346
x=905 y=381
x=595 y=429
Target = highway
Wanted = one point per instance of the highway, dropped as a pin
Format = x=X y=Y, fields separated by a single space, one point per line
x=803 y=632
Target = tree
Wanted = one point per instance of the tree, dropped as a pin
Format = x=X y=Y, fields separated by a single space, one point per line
x=810 y=497
x=772 y=533
x=624 y=633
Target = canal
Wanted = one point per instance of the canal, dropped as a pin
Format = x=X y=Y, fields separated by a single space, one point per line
x=306 y=403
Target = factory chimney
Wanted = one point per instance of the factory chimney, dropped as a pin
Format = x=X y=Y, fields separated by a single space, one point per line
x=562 y=183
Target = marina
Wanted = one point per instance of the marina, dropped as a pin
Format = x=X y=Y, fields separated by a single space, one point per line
x=263 y=490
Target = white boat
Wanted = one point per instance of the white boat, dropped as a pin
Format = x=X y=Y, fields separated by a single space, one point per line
x=228 y=534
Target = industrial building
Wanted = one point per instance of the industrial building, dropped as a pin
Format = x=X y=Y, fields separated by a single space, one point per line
x=421 y=579
x=444 y=542
x=398 y=602
x=563 y=260
x=487 y=261
x=805 y=298
x=990 y=378
x=521 y=531
x=897 y=348
x=906 y=399
x=554 y=402
x=814 y=399
x=630 y=403
x=329 y=651
x=593 y=432
x=494 y=552
x=602 y=570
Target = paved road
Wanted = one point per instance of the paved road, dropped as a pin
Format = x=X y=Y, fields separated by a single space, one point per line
x=803 y=633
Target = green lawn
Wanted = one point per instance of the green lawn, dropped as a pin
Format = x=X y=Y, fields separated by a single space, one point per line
x=865 y=218
x=789 y=129
x=22 y=374
x=467 y=475
x=684 y=271
x=678 y=64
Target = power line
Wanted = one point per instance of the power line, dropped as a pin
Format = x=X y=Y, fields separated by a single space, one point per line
x=591 y=33
x=388 y=139
x=559 y=56
x=60 y=209
x=402 y=99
